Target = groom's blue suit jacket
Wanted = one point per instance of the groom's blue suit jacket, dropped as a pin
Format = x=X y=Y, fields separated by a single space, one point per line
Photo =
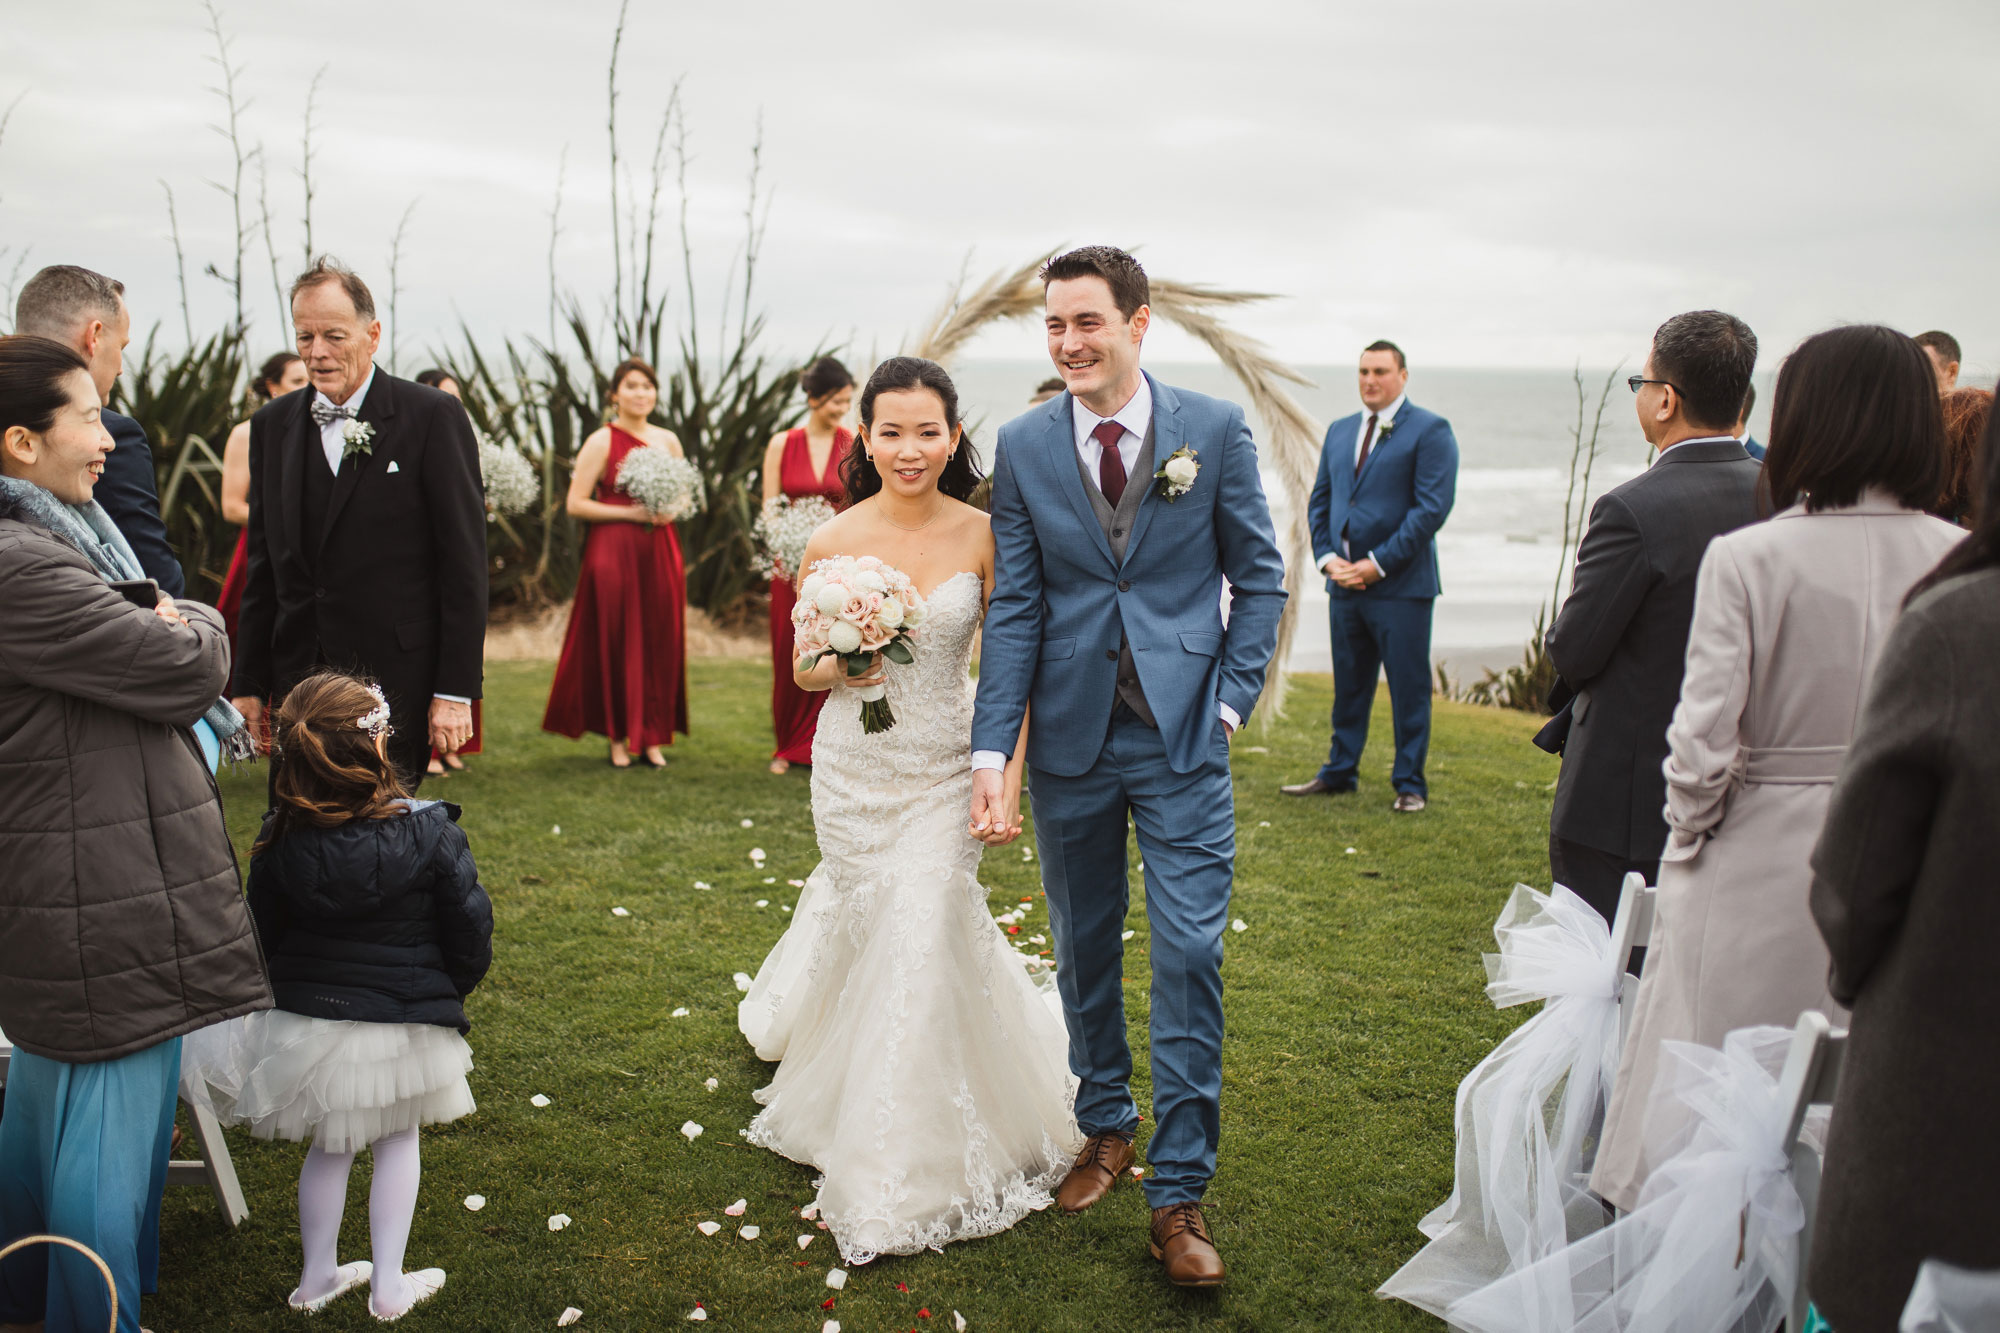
x=1394 y=509
x=1060 y=601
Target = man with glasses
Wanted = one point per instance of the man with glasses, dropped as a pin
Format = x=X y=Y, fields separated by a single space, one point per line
x=1619 y=642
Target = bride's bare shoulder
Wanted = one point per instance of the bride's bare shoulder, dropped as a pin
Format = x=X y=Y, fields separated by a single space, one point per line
x=834 y=536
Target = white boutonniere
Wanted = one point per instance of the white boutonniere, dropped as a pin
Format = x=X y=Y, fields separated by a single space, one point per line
x=1176 y=475
x=1382 y=431
x=357 y=438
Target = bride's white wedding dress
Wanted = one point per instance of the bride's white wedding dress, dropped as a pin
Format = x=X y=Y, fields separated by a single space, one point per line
x=921 y=1070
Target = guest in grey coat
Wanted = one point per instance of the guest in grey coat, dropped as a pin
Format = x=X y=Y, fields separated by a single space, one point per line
x=1904 y=893
x=1789 y=618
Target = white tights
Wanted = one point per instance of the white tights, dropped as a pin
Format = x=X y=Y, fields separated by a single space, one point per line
x=392 y=1205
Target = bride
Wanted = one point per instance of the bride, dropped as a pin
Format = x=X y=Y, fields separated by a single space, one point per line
x=920 y=1070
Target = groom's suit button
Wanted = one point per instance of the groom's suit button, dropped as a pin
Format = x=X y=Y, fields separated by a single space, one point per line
x=1118 y=532
x=1124 y=585
x=1111 y=654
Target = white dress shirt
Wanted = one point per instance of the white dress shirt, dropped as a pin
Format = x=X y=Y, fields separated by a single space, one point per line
x=1136 y=417
x=1383 y=420
x=333 y=439
x=333 y=435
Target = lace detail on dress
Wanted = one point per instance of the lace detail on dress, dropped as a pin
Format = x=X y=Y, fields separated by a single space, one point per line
x=922 y=1071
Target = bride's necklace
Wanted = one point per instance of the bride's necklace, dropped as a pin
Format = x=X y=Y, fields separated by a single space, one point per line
x=919 y=527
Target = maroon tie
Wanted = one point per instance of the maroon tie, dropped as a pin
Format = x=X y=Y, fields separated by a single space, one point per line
x=1367 y=439
x=1110 y=467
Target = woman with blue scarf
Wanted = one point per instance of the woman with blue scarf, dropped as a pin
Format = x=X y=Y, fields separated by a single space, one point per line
x=122 y=922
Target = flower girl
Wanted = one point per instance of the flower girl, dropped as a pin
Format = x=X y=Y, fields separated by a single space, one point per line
x=375 y=928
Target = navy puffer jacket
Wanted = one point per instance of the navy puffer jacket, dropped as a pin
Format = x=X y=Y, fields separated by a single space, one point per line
x=376 y=920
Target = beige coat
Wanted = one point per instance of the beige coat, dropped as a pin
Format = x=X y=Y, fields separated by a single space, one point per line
x=1789 y=618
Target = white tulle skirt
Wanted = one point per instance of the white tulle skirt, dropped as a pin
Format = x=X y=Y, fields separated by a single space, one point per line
x=343 y=1084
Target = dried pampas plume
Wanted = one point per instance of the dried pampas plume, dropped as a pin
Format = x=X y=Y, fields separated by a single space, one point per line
x=1293 y=446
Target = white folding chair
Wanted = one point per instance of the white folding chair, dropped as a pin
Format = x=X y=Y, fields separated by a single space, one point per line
x=215 y=1169
x=1810 y=1078
x=1631 y=929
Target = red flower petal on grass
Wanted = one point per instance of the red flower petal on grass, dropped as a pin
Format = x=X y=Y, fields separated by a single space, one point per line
x=826 y=1304
x=923 y=1314
x=902 y=1286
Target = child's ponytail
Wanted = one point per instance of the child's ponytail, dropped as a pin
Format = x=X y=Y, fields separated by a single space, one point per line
x=329 y=767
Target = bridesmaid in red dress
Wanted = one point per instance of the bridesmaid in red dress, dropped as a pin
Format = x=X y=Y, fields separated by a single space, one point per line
x=799 y=463
x=282 y=374
x=623 y=670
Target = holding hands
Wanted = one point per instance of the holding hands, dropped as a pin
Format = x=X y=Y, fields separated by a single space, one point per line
x=996 y=805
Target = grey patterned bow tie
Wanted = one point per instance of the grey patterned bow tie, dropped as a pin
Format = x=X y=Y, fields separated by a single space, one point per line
x=323 y=412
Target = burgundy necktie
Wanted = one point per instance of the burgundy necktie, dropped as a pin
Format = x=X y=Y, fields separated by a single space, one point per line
x=1110 y=467
x=1367 y=439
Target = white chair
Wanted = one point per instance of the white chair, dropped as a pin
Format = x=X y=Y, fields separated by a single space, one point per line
x=1631 y=929
x=214 y=1170
x=1810 y=1078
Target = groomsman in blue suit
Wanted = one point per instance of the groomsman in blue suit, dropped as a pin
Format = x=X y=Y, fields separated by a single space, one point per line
x=1387 y=478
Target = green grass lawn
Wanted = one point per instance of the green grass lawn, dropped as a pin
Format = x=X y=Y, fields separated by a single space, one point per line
x=1355 y=1005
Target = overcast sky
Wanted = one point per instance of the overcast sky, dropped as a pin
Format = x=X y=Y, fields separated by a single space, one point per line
x=1495 y=184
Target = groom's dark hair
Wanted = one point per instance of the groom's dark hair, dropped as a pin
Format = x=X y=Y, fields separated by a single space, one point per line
x=1121 y=273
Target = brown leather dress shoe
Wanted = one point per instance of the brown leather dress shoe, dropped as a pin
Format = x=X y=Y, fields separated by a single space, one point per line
x=1315 y=787
x=1182 y=1243
x=1104 y=1158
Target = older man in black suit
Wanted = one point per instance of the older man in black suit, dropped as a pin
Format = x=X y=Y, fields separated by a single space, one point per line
x=367 y=548
x=86 y=311
x=1620 y=641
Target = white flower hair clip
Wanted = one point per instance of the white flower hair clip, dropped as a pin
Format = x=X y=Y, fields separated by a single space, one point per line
x=376 y=722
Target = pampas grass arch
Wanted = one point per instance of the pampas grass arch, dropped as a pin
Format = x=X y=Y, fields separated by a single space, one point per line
x=1292 y=446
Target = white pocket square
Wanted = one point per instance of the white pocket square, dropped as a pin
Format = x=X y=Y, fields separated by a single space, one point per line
x=393 y=467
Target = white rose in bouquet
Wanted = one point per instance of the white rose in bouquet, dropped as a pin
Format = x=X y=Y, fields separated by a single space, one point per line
x=1180 y=471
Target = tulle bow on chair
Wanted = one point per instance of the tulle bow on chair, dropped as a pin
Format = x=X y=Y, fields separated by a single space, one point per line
x=1713 y=1245
x=1528 y=1115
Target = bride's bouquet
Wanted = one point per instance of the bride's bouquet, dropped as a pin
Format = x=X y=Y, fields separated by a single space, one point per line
x=852 y=607
x=786 y=525
x=661 y=481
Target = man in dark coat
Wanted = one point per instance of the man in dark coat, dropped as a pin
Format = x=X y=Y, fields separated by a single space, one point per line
x=367 y=548
x=86 y=311
x=1620 y=640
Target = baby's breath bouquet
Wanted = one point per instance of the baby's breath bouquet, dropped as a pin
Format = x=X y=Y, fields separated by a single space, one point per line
x=786 y=525
x=511 y=484
x=662 y=482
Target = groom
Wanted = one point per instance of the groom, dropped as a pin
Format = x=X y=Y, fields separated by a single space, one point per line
x=1119 y=509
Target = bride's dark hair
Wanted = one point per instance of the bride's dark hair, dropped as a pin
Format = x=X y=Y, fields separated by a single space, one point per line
x=961 y=474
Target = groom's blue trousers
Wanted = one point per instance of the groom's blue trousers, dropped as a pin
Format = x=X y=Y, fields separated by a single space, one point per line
x=1186 y=824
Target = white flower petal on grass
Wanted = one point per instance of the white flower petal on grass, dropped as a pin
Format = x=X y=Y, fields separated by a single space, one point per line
x=569 y=1316
x=1350 y=851
x=703 y=884
x=836 y=1278
x=556 y=829
x=1128 y=934
x=750 y=1233
x=698 y=1315
x=796 y=883
x=830 y=1326
x=538 y=1100
x=690 y=1130
x=763 y=902
x=770 y=879
x=957 y=1322
x=756 y=853
x=559 y=1220
x=737 y=1209
x=1263 y=823
x=809 y=1212
x=1239 y=925
x=708 y=1228
x=786 y=908
x=620 y=911
x=679 y=1013
x=749 y=823
x=806 y=1240
x=474 y=1202
x=742 y=980
x=711 y=1085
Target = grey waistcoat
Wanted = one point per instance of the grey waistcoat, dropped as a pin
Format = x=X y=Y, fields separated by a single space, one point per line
x=1117 y=525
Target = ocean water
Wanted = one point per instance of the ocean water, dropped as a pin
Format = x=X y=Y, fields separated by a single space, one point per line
x=1499 y=551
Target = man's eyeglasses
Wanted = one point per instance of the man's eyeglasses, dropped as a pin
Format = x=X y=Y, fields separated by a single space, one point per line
x=1635 y=381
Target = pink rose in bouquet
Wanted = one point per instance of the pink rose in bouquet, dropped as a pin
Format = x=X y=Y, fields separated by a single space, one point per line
x=853 y=607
